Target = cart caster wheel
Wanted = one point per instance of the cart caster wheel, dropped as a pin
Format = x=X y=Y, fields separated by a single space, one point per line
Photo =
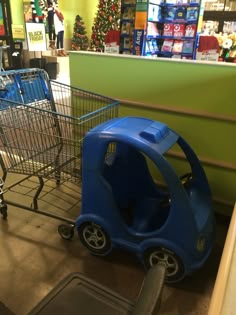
x=174 y=265
x=3 y=211
x=94 y=238
x=186 y=179
x=66 y=231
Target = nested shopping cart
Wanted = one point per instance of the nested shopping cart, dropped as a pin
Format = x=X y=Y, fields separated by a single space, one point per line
x=42 y=126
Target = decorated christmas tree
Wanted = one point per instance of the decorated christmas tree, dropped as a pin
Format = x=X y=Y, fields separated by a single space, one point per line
x=80 y=39
x=107 y=19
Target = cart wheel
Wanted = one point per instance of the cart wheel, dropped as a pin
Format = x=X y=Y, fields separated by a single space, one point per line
x=94 y=238
x=66 y=231
x=3 y=211
x=174 y=265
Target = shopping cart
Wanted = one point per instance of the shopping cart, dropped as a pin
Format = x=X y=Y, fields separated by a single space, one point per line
x=42 y=126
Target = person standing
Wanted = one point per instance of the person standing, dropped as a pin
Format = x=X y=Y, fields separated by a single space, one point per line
x=51 y=28
x=59 y=30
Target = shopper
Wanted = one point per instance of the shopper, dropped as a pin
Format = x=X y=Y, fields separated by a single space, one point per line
x=59 y=30
x=51 y=28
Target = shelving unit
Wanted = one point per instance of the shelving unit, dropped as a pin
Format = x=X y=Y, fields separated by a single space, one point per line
x=127 y=26
x=170 y=29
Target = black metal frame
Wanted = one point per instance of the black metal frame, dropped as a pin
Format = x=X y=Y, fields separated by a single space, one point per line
x=7 y=21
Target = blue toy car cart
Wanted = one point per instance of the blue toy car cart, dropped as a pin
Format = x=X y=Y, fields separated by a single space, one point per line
x=122 y=205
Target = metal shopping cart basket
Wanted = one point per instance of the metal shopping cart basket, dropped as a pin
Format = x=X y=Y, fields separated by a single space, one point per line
x=42 y=126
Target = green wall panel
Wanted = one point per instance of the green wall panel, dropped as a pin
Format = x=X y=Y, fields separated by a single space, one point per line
x=190 y=85
x=198 y=87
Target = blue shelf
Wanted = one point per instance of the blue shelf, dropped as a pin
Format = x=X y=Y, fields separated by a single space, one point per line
x=174 y=53
x=186 y=5
x=170 y=37
x=179 y=21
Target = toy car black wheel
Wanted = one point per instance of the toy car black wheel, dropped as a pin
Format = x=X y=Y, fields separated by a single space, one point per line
x=66 y=231
x=174 y=265
x=94 y=238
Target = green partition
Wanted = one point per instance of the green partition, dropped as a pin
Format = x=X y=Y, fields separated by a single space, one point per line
x=194 y=98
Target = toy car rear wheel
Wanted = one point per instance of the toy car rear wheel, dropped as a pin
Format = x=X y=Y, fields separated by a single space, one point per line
x=174 y=265
x=94 y=238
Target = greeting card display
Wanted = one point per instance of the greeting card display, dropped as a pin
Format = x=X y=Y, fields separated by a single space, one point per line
x=177 y=46
x=152 y=29
x=192 y=14
x=178 y=30
x=190 y=30
x=154 y=12
x=170 y=13
x=168 y=29
x=180 y=13
x=154 y=45
x=167 y=45
x=188 y=47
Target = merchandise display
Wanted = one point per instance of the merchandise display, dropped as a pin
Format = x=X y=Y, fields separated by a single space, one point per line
x=127 y=26
x=171 y=24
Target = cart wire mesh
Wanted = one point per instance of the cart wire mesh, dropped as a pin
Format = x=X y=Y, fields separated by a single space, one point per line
x=43 y=123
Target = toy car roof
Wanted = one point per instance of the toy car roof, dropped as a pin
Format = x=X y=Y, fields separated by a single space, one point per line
x=143 y=130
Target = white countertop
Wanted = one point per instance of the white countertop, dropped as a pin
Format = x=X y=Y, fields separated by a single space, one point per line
x=156 y=59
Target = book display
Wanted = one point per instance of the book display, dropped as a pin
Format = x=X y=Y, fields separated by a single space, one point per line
x=127 y=26
x=170 y=29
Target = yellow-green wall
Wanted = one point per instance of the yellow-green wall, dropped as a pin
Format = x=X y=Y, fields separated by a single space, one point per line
x=17 y=12
x=195 y=99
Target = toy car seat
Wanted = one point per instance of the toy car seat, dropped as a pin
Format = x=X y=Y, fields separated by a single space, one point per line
x=134 y=190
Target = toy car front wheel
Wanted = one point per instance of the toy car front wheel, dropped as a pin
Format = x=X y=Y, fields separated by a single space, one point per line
x=94 y=238
x=174 y=265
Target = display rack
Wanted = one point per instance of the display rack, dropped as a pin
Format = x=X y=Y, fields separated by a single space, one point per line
x=170 y=29
x=127 y=26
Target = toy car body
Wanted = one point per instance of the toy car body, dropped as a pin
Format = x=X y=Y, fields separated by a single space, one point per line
x=122 y=206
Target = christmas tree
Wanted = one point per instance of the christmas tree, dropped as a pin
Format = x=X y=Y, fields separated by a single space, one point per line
x=80 y=39
x=108 y=18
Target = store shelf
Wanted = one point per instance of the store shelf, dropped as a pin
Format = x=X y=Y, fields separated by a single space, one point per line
x=127 y=26
x=173 y=25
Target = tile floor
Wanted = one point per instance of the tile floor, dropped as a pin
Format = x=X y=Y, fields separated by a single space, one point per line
x=34 y=259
